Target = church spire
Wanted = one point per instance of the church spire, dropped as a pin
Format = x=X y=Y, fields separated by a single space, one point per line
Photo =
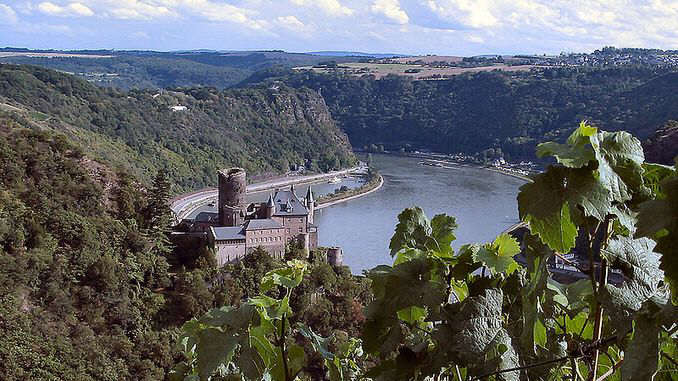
x=309 y=196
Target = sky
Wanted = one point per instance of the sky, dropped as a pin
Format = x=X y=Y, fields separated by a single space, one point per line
x=446 y=27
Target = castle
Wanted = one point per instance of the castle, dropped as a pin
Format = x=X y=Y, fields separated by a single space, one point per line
x=238 y=228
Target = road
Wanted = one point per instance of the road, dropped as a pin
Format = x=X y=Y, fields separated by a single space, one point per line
x=186 y=204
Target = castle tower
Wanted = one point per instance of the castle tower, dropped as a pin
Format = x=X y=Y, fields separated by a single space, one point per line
x=269 y=208
x=310 y=204
x=232 y=192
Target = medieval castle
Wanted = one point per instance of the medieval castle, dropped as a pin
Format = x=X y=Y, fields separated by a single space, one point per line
x=238 y=228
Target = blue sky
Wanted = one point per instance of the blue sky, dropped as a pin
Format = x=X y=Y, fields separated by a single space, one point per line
x=451 y=27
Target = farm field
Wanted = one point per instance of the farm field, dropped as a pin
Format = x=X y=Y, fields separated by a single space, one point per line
x=421 y=72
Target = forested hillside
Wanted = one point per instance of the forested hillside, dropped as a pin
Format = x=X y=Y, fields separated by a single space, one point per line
x=471 y=113
x=265 y=130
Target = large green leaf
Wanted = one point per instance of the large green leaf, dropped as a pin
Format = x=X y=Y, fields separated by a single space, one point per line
x=215 y=348
x=474 y=328
x=413 y=231
x=640 y=267
x=600 y=172
x=498 y=256
x=289 y=276
x=658 y=219
x=576 y=153
x=544 y=206
x=443 y=228
x=397 y=288
x=641 y=358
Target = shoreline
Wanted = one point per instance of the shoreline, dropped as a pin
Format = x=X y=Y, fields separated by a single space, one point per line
x=183 y=205
x=437 y=157
x=353 y=197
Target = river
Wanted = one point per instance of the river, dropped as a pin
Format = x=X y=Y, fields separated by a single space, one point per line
x=484 y=203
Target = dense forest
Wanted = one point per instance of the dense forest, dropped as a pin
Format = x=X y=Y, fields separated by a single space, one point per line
x=266 y=130
x=512 y=111
x=90 y=287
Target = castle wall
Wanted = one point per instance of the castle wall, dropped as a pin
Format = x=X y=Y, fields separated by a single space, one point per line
x=271 y=240
x=294 y=225
x=229 y=251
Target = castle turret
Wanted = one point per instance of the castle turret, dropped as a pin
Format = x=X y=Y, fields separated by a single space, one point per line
x=232 y=192
x=310 y=204
x=269 y=208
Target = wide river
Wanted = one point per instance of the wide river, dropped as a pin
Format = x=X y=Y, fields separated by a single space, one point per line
x=484 y=203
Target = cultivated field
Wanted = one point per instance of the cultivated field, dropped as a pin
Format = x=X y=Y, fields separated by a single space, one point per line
x=422 y=72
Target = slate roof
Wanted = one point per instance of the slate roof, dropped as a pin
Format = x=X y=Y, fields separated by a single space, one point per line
x=207 y=217
x=288 y=204
x=262 y=224
x=228 y=233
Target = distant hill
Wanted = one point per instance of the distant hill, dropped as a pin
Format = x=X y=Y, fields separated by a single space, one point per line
x=356 y=54
x=157 y=70
x=512 y=112
x=191 y=132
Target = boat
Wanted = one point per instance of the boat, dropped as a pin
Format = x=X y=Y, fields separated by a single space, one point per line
x=334 y=180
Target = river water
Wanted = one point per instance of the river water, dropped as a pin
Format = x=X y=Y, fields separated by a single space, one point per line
x=484 y=203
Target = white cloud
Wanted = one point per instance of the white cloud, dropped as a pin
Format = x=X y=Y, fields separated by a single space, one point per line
x=391 y=9
x=67 y=10
x=472 y=13
x=7 y=15
x=293 y=23
x=331 y=7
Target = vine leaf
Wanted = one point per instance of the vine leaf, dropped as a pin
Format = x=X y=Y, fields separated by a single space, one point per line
x=395 y=289
x=599 y=173
x=576 y=153
x=413 y=230
x=658 y=219
x=642 y=355
x=474 y=329
x=214 y=349
x=498 y=256
x=640 y=266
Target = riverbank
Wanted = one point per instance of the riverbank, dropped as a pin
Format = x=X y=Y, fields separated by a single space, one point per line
x=182 y=206
x=444 y=159
x=369 y=187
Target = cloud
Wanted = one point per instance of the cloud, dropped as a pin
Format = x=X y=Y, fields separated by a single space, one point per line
x=391 y=9
x=293 y=23
x=68 y=10
x=471 y=13
x=7 y=15
x=331 y=7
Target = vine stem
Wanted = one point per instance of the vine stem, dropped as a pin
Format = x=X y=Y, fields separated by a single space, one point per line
x=283 y=349
x=611 y=370
x=560 y=359
x=598 y=325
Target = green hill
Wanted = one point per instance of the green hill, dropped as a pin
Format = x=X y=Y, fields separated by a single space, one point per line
x=512 y=111
x=263 y=129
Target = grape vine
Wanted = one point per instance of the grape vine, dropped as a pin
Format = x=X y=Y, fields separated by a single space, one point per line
x=477 y=314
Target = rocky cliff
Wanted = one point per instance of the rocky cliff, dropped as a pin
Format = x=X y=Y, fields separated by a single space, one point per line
x=663 y=146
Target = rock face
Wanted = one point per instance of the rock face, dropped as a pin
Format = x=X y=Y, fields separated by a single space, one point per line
x=662 y=148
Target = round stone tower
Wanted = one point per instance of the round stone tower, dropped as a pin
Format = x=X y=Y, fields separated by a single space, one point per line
x=232 y=192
